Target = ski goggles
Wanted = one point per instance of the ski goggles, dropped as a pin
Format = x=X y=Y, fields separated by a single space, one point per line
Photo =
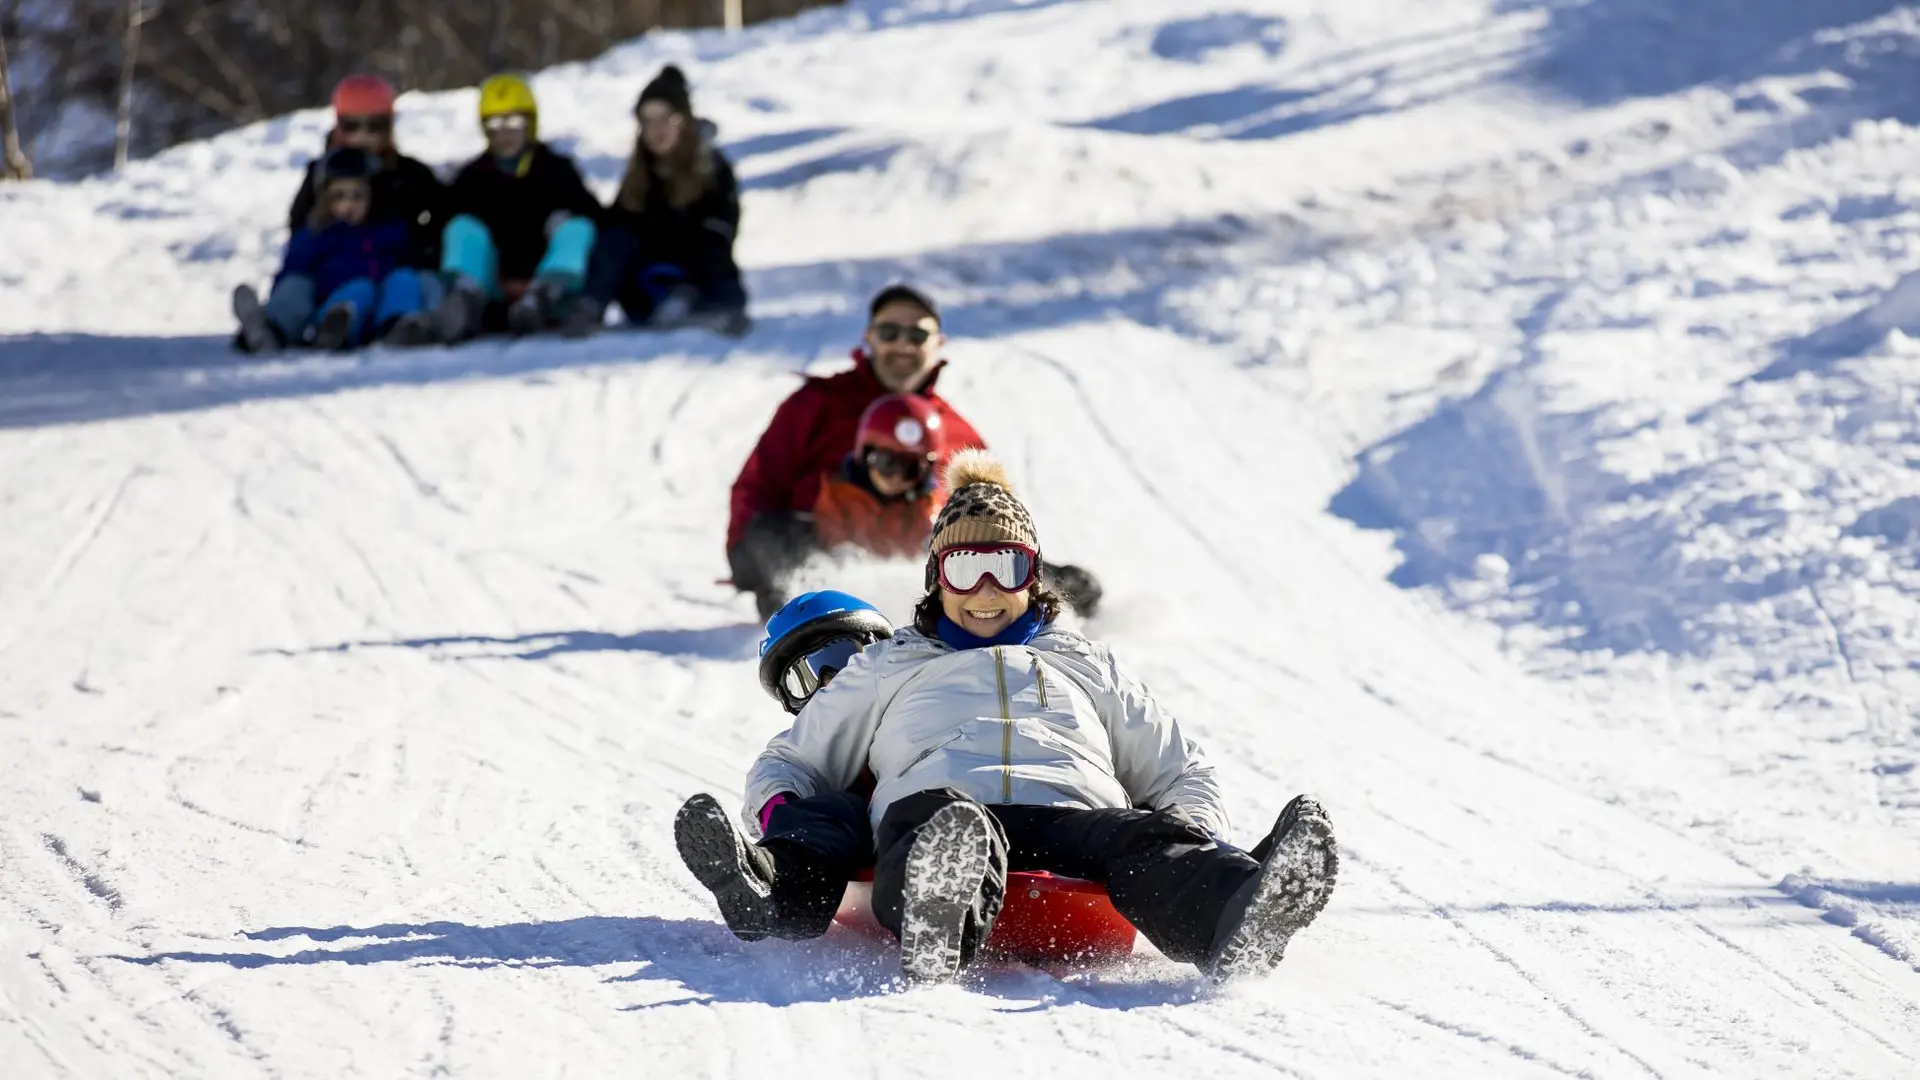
x=967 y=567
x=892 y=331
x=896 y=464
x=816 y=669
x=365 y=125
x=505 y=122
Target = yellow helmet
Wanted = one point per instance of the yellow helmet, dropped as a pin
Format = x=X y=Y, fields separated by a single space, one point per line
x=504 y=95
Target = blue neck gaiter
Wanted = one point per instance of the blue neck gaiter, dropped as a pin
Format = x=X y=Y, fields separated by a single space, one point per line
x=1019 y=632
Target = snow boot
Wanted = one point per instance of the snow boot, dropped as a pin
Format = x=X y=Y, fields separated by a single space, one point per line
x=733 y=323
x=335 y=331
x=951 y=893
x=461 y=312
x=1295 y=881
x=739 y=874
x=257 y=334
x=411 y=330
x=676 y=308
x=583 y=318
x=535 y=309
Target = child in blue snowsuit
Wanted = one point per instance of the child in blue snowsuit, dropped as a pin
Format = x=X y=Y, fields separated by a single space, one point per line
x=522 y=216
x=344 y=279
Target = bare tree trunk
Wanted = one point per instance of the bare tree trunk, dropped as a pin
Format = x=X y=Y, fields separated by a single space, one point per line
x=17 y=165
x=129 y=60
x=731 y=16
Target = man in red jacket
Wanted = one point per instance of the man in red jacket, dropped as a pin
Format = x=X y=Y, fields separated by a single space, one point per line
x=771 y=530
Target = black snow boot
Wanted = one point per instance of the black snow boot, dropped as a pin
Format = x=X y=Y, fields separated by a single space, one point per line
x=336 y=327
x=1295 y=880
x=583 y=318
x=536 y=308
x=951 y=894
x=739 y=874
x=410 y=330
x=257 y=335
x=461 y=312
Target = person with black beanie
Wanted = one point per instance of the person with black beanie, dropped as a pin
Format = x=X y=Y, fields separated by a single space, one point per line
x=665 y=249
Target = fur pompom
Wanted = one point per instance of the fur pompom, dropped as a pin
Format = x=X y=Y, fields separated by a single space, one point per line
x=976 y=467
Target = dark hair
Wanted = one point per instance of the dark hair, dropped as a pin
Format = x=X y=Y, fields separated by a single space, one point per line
x=926 y=613
x=898 y=292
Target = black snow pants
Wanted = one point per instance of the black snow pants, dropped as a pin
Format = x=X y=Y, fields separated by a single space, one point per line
x=1162 y=872
x=818 y=844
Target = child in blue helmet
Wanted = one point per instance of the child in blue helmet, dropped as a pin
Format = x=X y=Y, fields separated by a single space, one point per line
x=809 y=641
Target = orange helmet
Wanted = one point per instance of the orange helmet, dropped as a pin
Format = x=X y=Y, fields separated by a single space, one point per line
x=905 y=424
x=363 y=95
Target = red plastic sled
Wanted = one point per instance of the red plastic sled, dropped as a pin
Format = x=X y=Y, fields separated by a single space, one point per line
x=1046 y=919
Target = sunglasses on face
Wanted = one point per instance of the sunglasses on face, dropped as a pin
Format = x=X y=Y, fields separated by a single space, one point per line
x=509 y=122
x=366 y=125
x=967 y=568
x=890 y=332
x=897 y=465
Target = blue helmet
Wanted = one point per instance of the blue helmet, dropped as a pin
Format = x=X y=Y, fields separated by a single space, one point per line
x=810 y=639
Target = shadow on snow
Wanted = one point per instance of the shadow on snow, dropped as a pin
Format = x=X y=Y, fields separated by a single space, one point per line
x=801 y=311
x=699 y=956
x=735 y=642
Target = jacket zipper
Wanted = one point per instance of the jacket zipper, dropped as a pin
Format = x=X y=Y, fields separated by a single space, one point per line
x=1006 y=727
x=1040 y=679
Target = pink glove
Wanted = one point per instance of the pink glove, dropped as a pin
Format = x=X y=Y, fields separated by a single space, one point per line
x=766 y=812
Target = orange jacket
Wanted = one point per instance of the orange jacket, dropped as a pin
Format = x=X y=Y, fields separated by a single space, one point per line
x=846 y=513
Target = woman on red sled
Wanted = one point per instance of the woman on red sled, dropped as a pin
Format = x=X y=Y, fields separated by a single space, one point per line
x=996 y=741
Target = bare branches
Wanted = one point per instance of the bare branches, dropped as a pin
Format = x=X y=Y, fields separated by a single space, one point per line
x=204 y=65
x=17 y=167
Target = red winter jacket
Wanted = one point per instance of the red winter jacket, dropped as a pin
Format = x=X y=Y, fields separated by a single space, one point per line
x=811 y=432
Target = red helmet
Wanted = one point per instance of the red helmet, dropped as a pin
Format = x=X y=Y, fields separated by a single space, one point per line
x=363 y=95
x=903 y=423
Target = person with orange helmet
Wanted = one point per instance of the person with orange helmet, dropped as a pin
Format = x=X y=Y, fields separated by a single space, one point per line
x=403 y=190
x=883 y=496
x=406 y=200
x=363 y=117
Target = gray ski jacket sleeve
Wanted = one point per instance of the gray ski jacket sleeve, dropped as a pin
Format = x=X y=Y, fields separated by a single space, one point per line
x=1056 y=722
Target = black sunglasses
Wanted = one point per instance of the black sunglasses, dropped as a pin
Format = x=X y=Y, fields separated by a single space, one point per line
x=893 y=331
x=369 y=125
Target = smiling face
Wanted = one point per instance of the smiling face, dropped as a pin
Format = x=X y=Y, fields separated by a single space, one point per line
x=987 y=612
x=901 y=364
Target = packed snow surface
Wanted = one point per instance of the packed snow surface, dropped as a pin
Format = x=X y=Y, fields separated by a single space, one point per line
x=1494 y=417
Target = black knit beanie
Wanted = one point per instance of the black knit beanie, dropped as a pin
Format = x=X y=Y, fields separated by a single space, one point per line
x=670 y=86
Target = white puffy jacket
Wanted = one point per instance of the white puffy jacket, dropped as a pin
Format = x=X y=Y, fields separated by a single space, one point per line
x=1052 y=723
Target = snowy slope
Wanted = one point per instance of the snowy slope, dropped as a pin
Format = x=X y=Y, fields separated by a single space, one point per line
x=1468 y=404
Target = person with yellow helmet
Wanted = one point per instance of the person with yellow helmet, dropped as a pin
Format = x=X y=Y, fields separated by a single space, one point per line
x=523 y=224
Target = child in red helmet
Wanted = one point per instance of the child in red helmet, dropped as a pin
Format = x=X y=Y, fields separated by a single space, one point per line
x=883 y=496
x=403 y=190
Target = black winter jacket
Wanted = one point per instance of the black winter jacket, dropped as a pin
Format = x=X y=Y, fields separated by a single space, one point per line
x=515 y=206
x=697 y=237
